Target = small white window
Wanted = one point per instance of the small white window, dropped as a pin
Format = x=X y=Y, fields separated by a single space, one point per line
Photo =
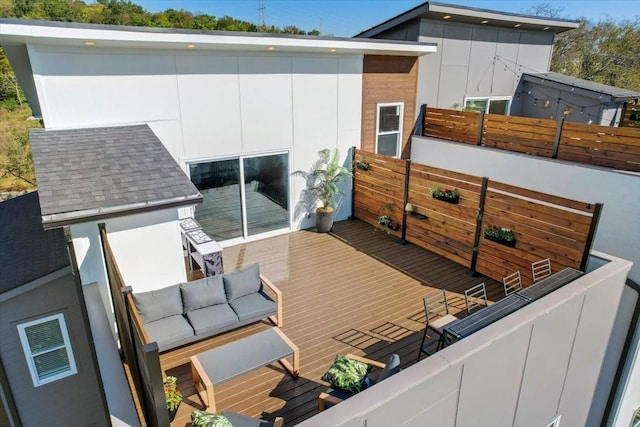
x=495 y=105
x=555 y=423
x=47 y=348
x=389 y=129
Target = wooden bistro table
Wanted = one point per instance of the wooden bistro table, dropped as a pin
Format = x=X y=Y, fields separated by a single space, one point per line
x=236 y=358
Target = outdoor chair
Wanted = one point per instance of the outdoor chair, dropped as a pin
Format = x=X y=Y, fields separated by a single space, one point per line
x=541 y=269
x=475 y=296
x=436 y=310
x=512 y=283
x=333 y=395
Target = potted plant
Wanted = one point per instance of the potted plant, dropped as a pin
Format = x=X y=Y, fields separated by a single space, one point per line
x=447 y=195
x=386 y=219
x=172 y=395
x=361 y=163
x=322 y=182
x=501 y=235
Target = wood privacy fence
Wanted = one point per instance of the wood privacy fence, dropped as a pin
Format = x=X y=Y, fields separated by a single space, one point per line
x=141 y=356
x=544 y=226
x=615 y=147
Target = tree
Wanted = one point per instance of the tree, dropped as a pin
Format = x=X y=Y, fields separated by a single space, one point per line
x=16 y=164
x=607 y=52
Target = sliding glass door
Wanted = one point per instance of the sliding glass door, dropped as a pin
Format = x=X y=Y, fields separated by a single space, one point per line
x=243 y=196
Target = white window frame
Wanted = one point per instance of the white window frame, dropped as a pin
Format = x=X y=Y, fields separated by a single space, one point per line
x=398 y=132
x=489 y=99
x=37 y=381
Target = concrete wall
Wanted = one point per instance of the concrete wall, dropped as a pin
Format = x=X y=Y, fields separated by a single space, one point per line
x=75 y=400
x=538 y=363
x=477 y=61
x=208 y=105
x=618 y=231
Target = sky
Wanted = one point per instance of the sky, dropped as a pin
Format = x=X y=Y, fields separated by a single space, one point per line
x=345 y=18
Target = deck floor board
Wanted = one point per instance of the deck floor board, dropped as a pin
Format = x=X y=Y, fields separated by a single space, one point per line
x=354 y=290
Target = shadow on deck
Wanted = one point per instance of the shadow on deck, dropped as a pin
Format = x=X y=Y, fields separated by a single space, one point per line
x=354 y=290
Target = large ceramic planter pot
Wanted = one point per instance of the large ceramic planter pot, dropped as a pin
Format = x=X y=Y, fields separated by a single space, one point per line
x=324 y=220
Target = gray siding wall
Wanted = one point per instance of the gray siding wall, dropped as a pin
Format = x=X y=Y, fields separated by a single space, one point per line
x=540 y=362
x=71 y=401
x=477 y=61
x=533 y=105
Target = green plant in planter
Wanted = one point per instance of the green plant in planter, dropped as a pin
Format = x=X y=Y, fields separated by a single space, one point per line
x=171 y=394
x=322 y=185
x=386 y=219
x=501 y=233
x=449 y=194
x=362 y=163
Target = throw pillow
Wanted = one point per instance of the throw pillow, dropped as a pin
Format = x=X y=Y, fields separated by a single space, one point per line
x=203 y=293
x=158 y=304
x=347 y=374
x=242 y=282
x=206 y=419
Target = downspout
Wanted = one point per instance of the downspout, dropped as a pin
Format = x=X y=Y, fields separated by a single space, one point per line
x=625 y=358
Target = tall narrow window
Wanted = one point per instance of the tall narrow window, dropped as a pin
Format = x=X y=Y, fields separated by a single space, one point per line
x=389 y=129
x=47 y=348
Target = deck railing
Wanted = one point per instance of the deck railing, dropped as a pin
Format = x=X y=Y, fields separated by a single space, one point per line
x=614 y=147
x=544 y=226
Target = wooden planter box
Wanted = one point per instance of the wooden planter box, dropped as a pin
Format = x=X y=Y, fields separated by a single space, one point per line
x=509 y=243
x=452 y=200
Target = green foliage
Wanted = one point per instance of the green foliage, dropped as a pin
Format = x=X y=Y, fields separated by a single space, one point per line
x=387 y=220
x=501 y=233
x=171 y=393
x=323 y=177
x=606 y=52
x=16 y=164
x=449 y=194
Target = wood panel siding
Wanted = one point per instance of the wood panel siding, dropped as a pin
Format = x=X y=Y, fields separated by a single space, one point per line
x=608 y=146
x=454 y=125
x=352 y=291
x=388 y=79
x=519 y=134
x=545 y=226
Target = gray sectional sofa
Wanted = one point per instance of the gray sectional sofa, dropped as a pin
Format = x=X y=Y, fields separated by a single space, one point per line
x=189 y=312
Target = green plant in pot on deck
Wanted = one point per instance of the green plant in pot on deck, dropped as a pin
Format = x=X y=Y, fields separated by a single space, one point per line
x=172 y=395
x=322 y=182
x=386 y=219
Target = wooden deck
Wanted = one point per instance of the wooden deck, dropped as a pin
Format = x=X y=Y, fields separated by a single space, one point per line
x=355 y=290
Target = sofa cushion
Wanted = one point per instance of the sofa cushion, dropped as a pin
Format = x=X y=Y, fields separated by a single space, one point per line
x=210 y=319
x=203 y=293
x=254 y=306
x=157 y=304
x=242 y=282
x=168 y=330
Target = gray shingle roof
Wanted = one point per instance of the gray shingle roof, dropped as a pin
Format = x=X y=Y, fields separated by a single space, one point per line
x=124 y=168
x=616 y=93
x=27 y=251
